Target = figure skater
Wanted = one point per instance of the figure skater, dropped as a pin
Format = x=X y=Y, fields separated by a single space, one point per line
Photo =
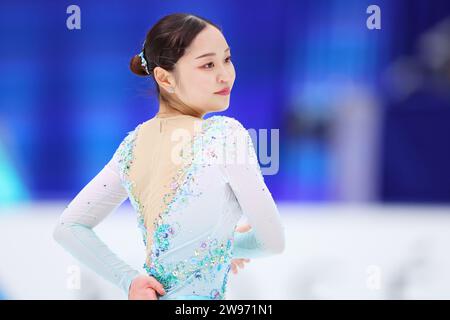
x=189 y=179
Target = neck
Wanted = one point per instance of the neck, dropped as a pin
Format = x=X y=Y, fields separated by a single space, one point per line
x=166 y=109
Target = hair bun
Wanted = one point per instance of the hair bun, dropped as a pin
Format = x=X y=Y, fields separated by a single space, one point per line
x=136 y=67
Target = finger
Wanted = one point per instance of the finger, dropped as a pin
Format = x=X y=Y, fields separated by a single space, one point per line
x=234 y=269
x=243 y=228
x=144 y=294
x=151 y=294
x=156 y=285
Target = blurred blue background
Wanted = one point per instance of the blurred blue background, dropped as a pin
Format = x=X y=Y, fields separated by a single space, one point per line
x=363 y=117
x=349 y=129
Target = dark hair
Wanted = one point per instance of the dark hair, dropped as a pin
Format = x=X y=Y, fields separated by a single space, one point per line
x=166 y=42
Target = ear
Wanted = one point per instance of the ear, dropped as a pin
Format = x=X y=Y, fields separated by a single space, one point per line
x=164 y=78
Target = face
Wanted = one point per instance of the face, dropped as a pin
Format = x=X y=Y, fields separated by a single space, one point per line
x=203 y=70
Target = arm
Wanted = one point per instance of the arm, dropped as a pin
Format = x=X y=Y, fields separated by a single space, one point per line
x=243 y=173
x=103 y=194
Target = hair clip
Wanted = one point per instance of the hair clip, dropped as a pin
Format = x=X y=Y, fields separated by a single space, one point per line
x=143 y=62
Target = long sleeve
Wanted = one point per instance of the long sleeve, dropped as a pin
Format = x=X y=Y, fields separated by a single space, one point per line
x=74 y=230
x=243 y=173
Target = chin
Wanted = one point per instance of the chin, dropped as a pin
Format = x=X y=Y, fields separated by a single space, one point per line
x=219 y=107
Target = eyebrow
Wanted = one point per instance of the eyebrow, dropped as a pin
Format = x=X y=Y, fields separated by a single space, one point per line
x=211 y=54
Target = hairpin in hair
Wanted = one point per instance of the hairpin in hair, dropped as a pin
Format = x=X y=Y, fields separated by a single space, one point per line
x=143 y=61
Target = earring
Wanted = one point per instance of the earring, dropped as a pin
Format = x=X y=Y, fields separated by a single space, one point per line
x=171 y=90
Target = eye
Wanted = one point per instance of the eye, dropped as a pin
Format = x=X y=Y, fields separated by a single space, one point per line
x=228 y=59
x=211 y=63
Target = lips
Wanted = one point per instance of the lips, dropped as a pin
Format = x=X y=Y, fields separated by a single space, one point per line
x=224 y=91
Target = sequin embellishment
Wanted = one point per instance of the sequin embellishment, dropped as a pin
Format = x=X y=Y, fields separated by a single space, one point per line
x=124 y=155
x=183 y=188
x=211 y=256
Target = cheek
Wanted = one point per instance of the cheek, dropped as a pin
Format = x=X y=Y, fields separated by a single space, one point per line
x=197 y=85
x=196 y=90
x=233 y=74
x=192 y=80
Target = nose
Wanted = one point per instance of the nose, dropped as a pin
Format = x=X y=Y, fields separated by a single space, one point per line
x=225 y=75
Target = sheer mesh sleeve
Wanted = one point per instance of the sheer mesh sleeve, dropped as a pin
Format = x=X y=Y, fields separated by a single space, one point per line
x=243 y=173
x=74 y=230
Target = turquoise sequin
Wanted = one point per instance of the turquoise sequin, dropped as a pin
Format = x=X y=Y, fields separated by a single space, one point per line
x=210 y=255
x=124 y=155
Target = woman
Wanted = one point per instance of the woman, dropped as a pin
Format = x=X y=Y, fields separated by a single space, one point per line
x=189 y=179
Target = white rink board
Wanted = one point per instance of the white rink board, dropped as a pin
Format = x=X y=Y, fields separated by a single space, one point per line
x=332 y=252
